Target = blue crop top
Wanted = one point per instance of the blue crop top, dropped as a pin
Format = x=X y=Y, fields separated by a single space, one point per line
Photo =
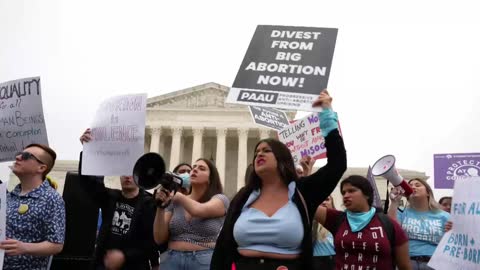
x=281 y=233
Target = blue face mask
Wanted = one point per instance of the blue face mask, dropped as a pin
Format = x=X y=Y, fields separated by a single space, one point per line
x=185 y=180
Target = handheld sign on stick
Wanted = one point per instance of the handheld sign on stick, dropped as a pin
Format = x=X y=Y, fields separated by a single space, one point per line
x=385 y=167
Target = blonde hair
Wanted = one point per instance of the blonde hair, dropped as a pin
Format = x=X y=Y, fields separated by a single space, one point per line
x=320 y=233
x=432 y=203
x=52 y=182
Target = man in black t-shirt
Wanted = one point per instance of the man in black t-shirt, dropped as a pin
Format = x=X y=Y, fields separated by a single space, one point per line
x=125 y=240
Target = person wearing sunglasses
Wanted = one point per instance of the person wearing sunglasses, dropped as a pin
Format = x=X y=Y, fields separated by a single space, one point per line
x=35 y=225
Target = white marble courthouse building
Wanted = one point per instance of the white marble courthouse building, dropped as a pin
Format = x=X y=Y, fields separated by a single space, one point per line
x=185 y=125
x=188 y=124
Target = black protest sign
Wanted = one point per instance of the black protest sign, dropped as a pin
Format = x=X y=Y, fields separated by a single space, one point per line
x=269 y=117
x=21 y=116
x=285 y=67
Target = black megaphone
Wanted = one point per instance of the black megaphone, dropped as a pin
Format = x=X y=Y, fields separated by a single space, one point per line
x=149 y=173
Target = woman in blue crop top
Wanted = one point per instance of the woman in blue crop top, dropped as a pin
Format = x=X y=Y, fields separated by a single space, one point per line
x=268 y=225
x=191 y=223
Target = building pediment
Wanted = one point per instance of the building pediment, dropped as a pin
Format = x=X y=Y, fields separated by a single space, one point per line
x=209 y=95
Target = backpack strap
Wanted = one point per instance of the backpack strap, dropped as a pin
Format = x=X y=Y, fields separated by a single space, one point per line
x=304 y=206
x=390 y=230
x=388 y=226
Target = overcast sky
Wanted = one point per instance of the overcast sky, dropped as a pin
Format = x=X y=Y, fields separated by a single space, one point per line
x=405 y=77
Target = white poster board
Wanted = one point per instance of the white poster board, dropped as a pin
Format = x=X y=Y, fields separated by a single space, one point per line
x=303 y=137
x=21 y=116
x=3 y=218
x=460 y=247
x=118 y=135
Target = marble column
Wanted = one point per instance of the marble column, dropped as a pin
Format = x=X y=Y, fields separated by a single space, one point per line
x=176 y=144
x=242 y=156
x=197 y=144
x=155 y=142
x=221 y=153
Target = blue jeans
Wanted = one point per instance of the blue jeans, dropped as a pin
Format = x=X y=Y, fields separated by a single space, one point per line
x=416 y=265
x=187 y=260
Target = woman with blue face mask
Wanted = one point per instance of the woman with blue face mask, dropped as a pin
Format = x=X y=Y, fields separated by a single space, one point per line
x=184 y=169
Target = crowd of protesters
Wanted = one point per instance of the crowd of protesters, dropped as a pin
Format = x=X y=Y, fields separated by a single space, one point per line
x=283 y=218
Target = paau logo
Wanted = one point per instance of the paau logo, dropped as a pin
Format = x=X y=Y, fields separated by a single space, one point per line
x=259 y=97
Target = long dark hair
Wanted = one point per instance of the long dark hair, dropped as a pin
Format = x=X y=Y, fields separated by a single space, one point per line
x=285 y=165
x=361 y=183
x=248 y=171
x=214 y=183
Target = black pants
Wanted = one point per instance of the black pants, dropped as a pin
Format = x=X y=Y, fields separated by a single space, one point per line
x=323 y=262
x=246 y=263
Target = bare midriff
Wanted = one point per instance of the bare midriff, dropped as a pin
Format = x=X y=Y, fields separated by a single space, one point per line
x=186 y=246
x=259 y=254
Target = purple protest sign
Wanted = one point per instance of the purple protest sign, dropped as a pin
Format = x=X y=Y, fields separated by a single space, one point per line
x=450 y=167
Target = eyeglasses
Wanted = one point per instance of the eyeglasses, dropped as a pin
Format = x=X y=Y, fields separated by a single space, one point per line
x=27 y=156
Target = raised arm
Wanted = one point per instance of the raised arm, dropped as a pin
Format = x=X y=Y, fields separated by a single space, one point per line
x=321 y=215
x=395 y=198
x=317 y=186
x=92 y=184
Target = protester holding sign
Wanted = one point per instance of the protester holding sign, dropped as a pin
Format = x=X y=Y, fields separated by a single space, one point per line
x=268 y=225
x=125 y=240
x=364 y=238
x=423 y=221
x=35 y=227
x=191 y=223
x=460 y=247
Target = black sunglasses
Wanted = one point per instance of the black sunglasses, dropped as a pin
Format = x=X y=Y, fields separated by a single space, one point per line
x=27 y=156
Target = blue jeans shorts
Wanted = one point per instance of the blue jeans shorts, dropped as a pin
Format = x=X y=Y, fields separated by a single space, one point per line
x=186 y=260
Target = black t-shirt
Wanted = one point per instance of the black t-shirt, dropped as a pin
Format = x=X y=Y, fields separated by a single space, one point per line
x=121 y=221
